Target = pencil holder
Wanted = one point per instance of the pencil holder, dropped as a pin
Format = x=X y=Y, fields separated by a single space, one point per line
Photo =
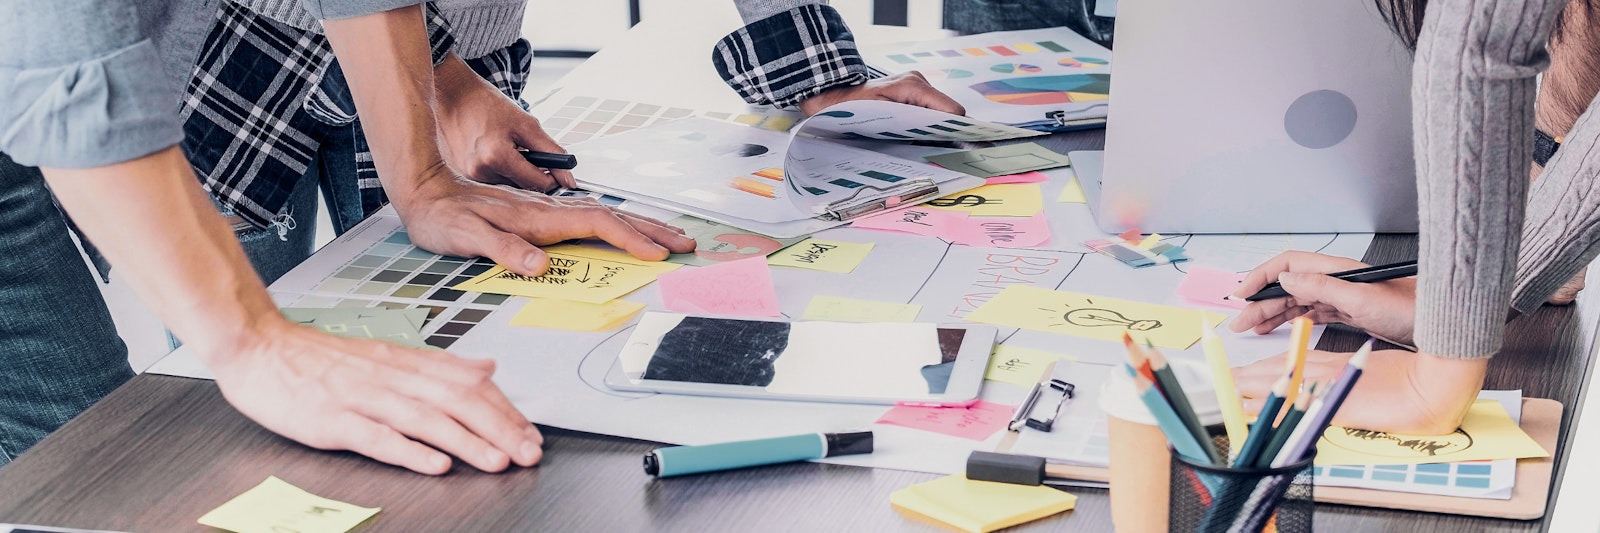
x=1206 y=498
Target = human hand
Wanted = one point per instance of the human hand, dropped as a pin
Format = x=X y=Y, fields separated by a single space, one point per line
x=450 y=215
x=480 y=130
x=399 y=405
x=909 y=88
x=1385 y=309
x=1399 y=391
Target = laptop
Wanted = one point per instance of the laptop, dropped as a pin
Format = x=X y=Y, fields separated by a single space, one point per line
x=1250 y=116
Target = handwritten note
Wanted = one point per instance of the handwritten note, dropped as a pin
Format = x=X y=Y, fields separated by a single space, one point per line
x=839 y=309
x=1003 y=232
x=1207 y=286
x=977 y=422
x=817 y=254
x=1019 y=366
x=1072 y=193
x=397 y=326
x=1000 y=160
x=1025 y=177
x=575 y=316
x=718 y=243
x=734 y=288
x=1487 y=433
x=276 y=506
x=917 y=220
x=1013 y=200
x=577 y=273
x=1093 y=317
x=979 y=506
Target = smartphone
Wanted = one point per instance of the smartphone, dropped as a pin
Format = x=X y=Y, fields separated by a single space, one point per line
x=872 y=363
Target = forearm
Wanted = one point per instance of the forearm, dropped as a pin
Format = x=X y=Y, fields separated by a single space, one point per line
x=387 y=63
x=1473 y=92
x=1562 y=233
x=152 y=220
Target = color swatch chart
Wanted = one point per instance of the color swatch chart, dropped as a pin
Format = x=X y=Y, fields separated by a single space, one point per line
x=911 y=58
x=1477 y=479
x=581 y=118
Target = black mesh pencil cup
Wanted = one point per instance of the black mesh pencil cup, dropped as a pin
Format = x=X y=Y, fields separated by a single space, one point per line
x=1206 y=498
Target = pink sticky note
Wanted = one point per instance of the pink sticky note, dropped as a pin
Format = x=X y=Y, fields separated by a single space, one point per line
x=917 y=220
x=977 y=422
x=1207 y=286
x=733 y=288
x=1003 y=232
x=1025 y=177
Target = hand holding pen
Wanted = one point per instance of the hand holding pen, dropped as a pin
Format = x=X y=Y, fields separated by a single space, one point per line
x=1329 y=289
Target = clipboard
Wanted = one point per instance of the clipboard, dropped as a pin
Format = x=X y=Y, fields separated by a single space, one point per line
x=1541 y=419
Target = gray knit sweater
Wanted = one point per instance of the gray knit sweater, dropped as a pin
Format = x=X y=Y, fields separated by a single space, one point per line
x=1473 y=95
x=478 y=26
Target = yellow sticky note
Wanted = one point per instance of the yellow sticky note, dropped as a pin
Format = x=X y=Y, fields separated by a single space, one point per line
x=1094 y=317
x=1019 y=366
x=979 y=506
x=577 y=273
x=817 y=254
x=1072 y=193
x=838 y=309
x=275 y=506
x=575 y=316
x=1152 y=240
x=1005 y=200
x=1487 y=433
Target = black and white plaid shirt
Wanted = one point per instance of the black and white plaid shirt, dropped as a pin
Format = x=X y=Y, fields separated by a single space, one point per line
x=264 y=95
x=786 y=58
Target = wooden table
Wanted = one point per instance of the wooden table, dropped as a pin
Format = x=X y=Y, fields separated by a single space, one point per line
x=161 y=451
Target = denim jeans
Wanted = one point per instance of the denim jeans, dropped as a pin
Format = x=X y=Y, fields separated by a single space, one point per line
x=275 y=250
x=59 y=350
x=981 y=16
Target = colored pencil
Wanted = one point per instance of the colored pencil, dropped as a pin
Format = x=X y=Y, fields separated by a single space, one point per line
x=1168 y=382
x=1337 y=393
x=1285 y=429
x=1299 y=342
x=1166 y=419
x=1227 y=391
x=1261 y=432
x=1136 y=358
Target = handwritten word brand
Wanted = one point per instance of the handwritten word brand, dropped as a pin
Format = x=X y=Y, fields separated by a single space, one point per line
x=815 y=252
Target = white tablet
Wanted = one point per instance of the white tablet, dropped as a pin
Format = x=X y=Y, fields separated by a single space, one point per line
x=882 y=363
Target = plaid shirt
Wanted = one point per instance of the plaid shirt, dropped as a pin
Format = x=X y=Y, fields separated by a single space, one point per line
x=264 y=95
x=786 y=58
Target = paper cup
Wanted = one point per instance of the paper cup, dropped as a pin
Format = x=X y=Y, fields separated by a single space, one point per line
x=1140 y=462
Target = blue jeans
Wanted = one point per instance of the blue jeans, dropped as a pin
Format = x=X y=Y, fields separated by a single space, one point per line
x=59 y=350
x=982 y=16
x=275 y=250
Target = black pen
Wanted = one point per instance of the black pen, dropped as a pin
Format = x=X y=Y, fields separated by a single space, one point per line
x=1370 y=274
x=550 y=160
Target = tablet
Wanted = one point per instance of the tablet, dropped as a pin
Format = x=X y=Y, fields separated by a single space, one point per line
x=878 y=363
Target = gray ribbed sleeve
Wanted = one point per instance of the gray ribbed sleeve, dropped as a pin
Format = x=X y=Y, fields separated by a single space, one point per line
x=478 y=26
x=1562 y=233
x=754 y=10
x=1472 y=95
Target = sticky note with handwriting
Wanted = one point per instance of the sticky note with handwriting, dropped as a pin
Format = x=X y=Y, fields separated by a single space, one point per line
x=1006 y=200
x=577 y=273
x=1093 y=317
x=1486 y=433
x=1207 y=286
x=840 y=309
x=817 y=254
x=575 y=316
x=977 y=422
x=276 y=506
x=735 y=288
x=1019 y=366
x=1025 y=177
x=1003 y=232
x=917 y=220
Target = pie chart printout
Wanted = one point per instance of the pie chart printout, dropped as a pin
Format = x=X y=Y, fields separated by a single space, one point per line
x=1082 y=62
x=1012 y=68
x=1044 y=90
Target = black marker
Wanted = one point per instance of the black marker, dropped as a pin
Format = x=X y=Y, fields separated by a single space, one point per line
x=550 y=160
x=1372 y=274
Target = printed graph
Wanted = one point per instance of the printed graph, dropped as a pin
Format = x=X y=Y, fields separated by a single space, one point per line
x=583 y=117
x=1046 y=90
x=1082 y=62
x=911 y=58
x=1015 y=68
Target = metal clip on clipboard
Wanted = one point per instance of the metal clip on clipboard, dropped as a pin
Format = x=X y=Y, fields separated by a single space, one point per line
x=878 y=199
x=1048 y=396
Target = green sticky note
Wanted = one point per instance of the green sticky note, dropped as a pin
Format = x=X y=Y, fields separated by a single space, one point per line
x=1001 y=160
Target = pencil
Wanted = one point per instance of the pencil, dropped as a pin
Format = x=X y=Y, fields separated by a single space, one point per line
x=1168 y=382
x=1261 y=432
x=1136 y=358
x=1372 y=274
x=1335 y=398
x=1299 y=342
x=1285 y=429
x=1166 y=419
x=1227 y=391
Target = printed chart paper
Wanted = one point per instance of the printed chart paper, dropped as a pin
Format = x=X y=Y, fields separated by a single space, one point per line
x=840 y=309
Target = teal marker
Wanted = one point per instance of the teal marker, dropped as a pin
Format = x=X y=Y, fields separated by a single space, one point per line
x=685 y=460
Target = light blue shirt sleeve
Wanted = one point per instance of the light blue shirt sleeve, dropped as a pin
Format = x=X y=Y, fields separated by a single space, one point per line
x=339 y=9
x=80 y=86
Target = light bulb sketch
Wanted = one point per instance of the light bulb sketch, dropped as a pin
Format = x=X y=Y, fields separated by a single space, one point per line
x=1090 y=317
